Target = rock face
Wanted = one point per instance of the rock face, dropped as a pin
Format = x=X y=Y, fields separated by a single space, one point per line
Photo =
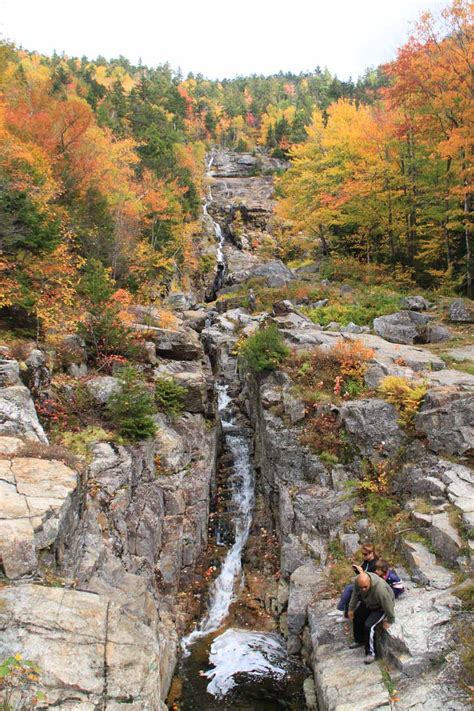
x=447 y=420
x=128 y=530
x=183 y=344
x=35 y=495
x=92 y=653
x=275 y=274
x=372 y=426
x=18 y=415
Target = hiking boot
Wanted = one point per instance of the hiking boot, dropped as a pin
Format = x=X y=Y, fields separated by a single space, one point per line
x=355 y=645
x=370 y=659
x=336 y=613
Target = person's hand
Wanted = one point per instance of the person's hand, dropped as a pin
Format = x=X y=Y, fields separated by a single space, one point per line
x=350 y=614
x=357 y=567
x=386 y=624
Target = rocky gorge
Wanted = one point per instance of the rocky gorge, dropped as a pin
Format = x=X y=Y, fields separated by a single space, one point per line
x=104 y=557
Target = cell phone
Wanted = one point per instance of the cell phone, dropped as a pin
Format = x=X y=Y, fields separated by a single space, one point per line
x=355 y=568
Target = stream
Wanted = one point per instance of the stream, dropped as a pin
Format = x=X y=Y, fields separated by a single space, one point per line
x=224 y=667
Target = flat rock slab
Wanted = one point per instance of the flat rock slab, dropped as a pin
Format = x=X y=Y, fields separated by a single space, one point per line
x=419 y=636
x=87 y=648
x=343 y=681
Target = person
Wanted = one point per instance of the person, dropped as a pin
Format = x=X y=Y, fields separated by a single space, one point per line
x=382 y=569
x=368 y=565
x=372 y=603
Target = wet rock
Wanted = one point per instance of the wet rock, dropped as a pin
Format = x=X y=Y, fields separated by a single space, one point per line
x=415 y=303
x=372 y=426
x=406 y=327
x=461 y=311
x=102 y=387
x=18 y=415
x=447 y=421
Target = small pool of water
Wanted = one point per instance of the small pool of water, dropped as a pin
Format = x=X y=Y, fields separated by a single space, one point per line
x=239 y=670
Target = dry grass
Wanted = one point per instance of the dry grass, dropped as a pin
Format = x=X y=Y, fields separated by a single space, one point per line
x=38 y=450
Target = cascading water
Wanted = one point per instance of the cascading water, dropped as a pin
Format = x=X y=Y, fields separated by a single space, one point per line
x=242 y=485
x=220 y=257
x=249 y=667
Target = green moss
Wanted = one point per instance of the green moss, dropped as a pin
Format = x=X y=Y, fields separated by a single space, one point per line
x=80 y=442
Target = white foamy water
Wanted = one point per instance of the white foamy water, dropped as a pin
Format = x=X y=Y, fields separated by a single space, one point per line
x=255 y=654
x=218 y=233
x=242 y=484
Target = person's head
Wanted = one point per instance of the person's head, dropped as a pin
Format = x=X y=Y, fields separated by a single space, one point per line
x=368 y=551
x=364 y=582
x=381 y=568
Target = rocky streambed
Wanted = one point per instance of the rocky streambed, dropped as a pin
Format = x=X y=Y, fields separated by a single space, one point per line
x=222 y=530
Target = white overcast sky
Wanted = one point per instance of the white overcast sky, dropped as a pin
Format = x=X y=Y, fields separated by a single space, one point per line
x=219 y=38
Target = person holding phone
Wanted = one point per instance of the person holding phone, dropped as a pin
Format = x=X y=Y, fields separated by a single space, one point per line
x=368 y=566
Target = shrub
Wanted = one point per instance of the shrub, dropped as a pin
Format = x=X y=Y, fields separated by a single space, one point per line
x=169 y=396
x=338 y=373
x=361 y=308
x=131 y=409
x=19 y=684
x=404 y=395
x=265 y=350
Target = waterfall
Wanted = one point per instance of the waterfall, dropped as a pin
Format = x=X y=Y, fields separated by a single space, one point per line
x=242 y=500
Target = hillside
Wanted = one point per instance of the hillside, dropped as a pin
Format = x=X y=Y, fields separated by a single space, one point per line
x=236 y=345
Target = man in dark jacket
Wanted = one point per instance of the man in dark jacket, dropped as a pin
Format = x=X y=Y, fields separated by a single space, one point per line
x=372 y=603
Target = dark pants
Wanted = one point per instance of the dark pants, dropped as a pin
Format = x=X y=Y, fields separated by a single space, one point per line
x=365 y=624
